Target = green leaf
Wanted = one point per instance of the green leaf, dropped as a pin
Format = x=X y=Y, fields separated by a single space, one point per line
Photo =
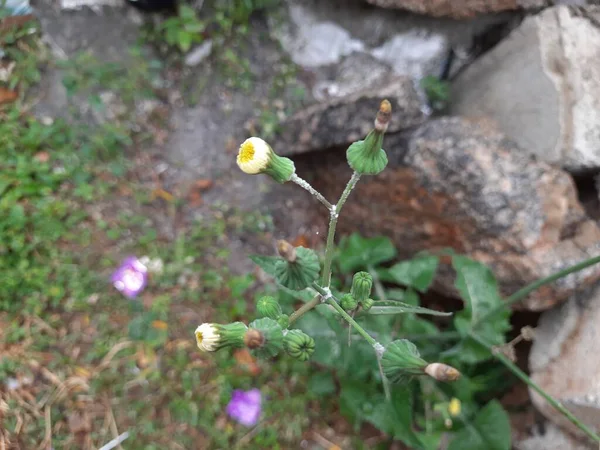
x=321 y=383
x=266 y=263
x=418 y=272
x=184 y=39
x=357 y=253
x=394 y=307
x=490 y=430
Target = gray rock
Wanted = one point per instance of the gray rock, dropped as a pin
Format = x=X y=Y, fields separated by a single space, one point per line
x=542 y=85
x=564 y=360
x=552 y=439
x=463 y=185
x=199 y=54
x=341 y=121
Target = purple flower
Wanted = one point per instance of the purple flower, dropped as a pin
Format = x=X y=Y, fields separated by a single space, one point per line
x=245 y=406
x=131 y=277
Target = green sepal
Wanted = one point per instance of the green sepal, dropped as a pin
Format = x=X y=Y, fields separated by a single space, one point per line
x=231 y=334
x=362 y=283
x=367 y=157
x=268 y=306
x=348 y=303
x=367 y=304
x=299 y=345
x=280 y=168
x=284 y=321
x=273 y=337
x=401 y=360
x=301 y=273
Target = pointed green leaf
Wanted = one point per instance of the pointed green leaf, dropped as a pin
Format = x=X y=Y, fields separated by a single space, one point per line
x=394 y=307
x=357 y=253
x=490 y=430
x=418 y=272
x=266 y=263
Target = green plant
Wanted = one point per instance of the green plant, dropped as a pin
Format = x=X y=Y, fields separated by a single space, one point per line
x=183 y=30
x=414 y=400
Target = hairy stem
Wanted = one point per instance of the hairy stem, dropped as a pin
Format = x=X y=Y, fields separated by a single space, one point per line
x=306 y=185
x=305 y=308
x=335 y=212
x=525 y=291
x=523 y=377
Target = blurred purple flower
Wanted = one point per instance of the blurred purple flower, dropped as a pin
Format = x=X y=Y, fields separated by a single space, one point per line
x=245 y=406
x=130 y=278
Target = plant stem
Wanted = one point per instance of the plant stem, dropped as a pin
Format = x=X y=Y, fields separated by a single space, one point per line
x=304 y=309
x=333 y=301
x=384 y=380
x=525 y=291
x=335 y=212
x=523 y=377
x=306 y=185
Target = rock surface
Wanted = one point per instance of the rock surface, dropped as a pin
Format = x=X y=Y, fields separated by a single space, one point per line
x=460 y=9
x=463 y=185
x=341 y=121
x=542 y=85
x=552 y=439
x=564 y=360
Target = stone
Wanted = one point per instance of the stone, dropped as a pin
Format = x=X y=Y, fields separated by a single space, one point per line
x=542 y=86
x=553 y=438
x=462 y=9
x=461 y=184
x=341 y=121
x=564 y=360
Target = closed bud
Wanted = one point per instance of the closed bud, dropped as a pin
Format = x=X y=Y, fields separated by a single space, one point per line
x=367 y=157
x=401 y=359
x=286 y=250
x=361 y=286
x=442 y=372
x=266 y=337
x=348 y=303
x=299 y=345
x=211 y=337
x=256 y=156
x=284 y=321
x=268 y=306
x=367 y=304
x=300 y=273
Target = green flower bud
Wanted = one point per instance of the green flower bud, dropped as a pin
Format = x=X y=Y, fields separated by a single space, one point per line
x=301 y=272
x=265 y=337
x=256 y=156
x=367 y=157
x=299 y=345
x=361 y=286
x=401 y=359
x=268 y=307
x=348 y=302
x=367 y=304
x=211 y=337
x=284 y=321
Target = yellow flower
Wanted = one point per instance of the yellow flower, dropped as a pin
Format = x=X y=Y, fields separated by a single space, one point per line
x=207 y=337
x=454 y=407
x=254 y=156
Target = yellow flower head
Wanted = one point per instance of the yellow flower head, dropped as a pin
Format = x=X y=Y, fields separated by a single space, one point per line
x=207 y=337
x=254 y=156
x=454 y=407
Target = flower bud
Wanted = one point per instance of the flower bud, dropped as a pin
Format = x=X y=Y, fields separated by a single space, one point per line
x=284 y=321
x=256 y=156
x=268 y=306
x=442 y=372
x=401 y=359
x=300 y=273
x=367 y=157
x=361 y=286
x=286 y=250
x=348 y=303
x=299 y=345
x=367 y=304
x=211 y=337
x=265 y=336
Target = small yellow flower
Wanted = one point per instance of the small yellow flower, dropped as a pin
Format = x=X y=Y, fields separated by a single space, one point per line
x=254 y=156
x=207 y=337
x=454 y=407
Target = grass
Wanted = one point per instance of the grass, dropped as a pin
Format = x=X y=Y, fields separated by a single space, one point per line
x=79 y=363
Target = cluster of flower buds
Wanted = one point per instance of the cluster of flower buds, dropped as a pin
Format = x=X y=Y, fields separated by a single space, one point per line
x=401 y=360
x=266 y=337
x=360 y=293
